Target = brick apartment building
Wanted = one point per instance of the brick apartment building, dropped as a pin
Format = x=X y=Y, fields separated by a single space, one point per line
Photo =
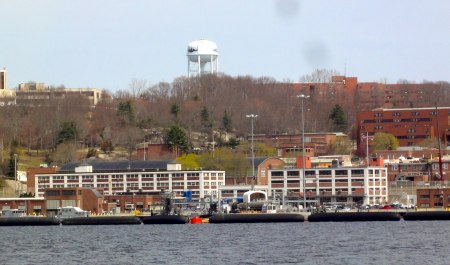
x=411 y=126
x=364 y=96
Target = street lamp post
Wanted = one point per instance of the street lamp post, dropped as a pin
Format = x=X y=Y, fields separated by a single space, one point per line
x=303 y=97
x=15 y=174
x=252 y=117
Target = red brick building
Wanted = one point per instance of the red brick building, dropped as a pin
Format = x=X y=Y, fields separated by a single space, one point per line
x=290 y=145
x=433 y=198
x=411 y=126
x=32 y=171
x=85 y=198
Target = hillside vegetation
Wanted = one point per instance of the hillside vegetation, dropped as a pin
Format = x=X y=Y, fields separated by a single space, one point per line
x=214 y=106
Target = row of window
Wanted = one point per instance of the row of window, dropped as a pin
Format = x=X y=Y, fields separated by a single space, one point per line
x=413 y=113
x=114 y=177
x=397 y=120
x=296 y=173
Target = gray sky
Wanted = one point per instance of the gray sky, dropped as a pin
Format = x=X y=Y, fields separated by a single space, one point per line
x=106 y=44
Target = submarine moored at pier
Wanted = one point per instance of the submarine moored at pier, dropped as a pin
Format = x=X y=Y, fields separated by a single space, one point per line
x=28 y=221
x=256 y=218
x=102 y=220
x=354 y=217
x=427 y=216
x=165 y=219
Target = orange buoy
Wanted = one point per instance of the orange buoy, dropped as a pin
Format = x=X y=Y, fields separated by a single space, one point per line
x=196 y=220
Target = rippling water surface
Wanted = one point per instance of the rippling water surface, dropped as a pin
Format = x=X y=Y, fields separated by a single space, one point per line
x=283 y=243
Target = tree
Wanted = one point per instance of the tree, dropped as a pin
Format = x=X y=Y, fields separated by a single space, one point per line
x=64 y=153
x=106 y=146
x=341 y=146
x=431 y=142
x=189 y=161
x=126 y=112
x=205 y=118
x=129 y=137
x=232 y=143
x=174 y=110
x=67 y=133
x=384 y=141
x=92 y=152
x=235 y=163
x=137 y=87
x=337 y=117
x=176 y=139
x=320 y=76
x=226 y=121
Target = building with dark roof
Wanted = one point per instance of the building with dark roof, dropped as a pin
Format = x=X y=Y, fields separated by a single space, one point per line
x=115 y=177
x=113 y=166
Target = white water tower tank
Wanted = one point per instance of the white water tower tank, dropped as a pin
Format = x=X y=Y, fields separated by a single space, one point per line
x=202 y=57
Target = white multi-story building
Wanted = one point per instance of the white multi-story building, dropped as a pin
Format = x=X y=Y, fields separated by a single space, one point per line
x=202 y=183
x=360 y=185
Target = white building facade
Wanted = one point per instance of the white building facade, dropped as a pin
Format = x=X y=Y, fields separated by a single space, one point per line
x=201 y=183
x=359 y=185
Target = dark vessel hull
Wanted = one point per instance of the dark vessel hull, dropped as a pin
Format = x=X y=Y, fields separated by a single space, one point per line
x=164 y=219
x=28 y=221
x=427 y=216
x=354 y=217
x=102 y=220
x=256 y=218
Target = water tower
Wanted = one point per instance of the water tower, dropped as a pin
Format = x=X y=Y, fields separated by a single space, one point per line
x=202 y=57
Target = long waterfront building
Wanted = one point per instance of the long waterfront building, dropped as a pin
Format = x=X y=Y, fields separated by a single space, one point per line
x=202 y=183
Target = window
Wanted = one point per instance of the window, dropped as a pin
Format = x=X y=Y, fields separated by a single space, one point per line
x=324 y=180
x=294 y=173
x=325 y=172
x=341 y=173
x=358 y=171
x=396 y=114
x=52 y=193
x=68 y=193
x=424 y=196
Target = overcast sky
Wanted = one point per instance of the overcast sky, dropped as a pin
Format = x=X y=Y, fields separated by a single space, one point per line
x=106 y=44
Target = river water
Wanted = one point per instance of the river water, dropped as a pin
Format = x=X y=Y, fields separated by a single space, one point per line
x=271 y=243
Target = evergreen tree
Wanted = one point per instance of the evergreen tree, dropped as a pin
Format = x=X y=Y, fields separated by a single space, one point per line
x=176 y=138
x=337 y=117
x=67 y=133
x=226 y=121
x=174 y=110
x=126 y=112
x=205 y=119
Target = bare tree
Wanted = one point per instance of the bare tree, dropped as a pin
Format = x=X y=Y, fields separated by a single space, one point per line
x=319 y=76
x=137 y=87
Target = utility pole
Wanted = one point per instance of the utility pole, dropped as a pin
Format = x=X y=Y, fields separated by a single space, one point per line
x=252 y=117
